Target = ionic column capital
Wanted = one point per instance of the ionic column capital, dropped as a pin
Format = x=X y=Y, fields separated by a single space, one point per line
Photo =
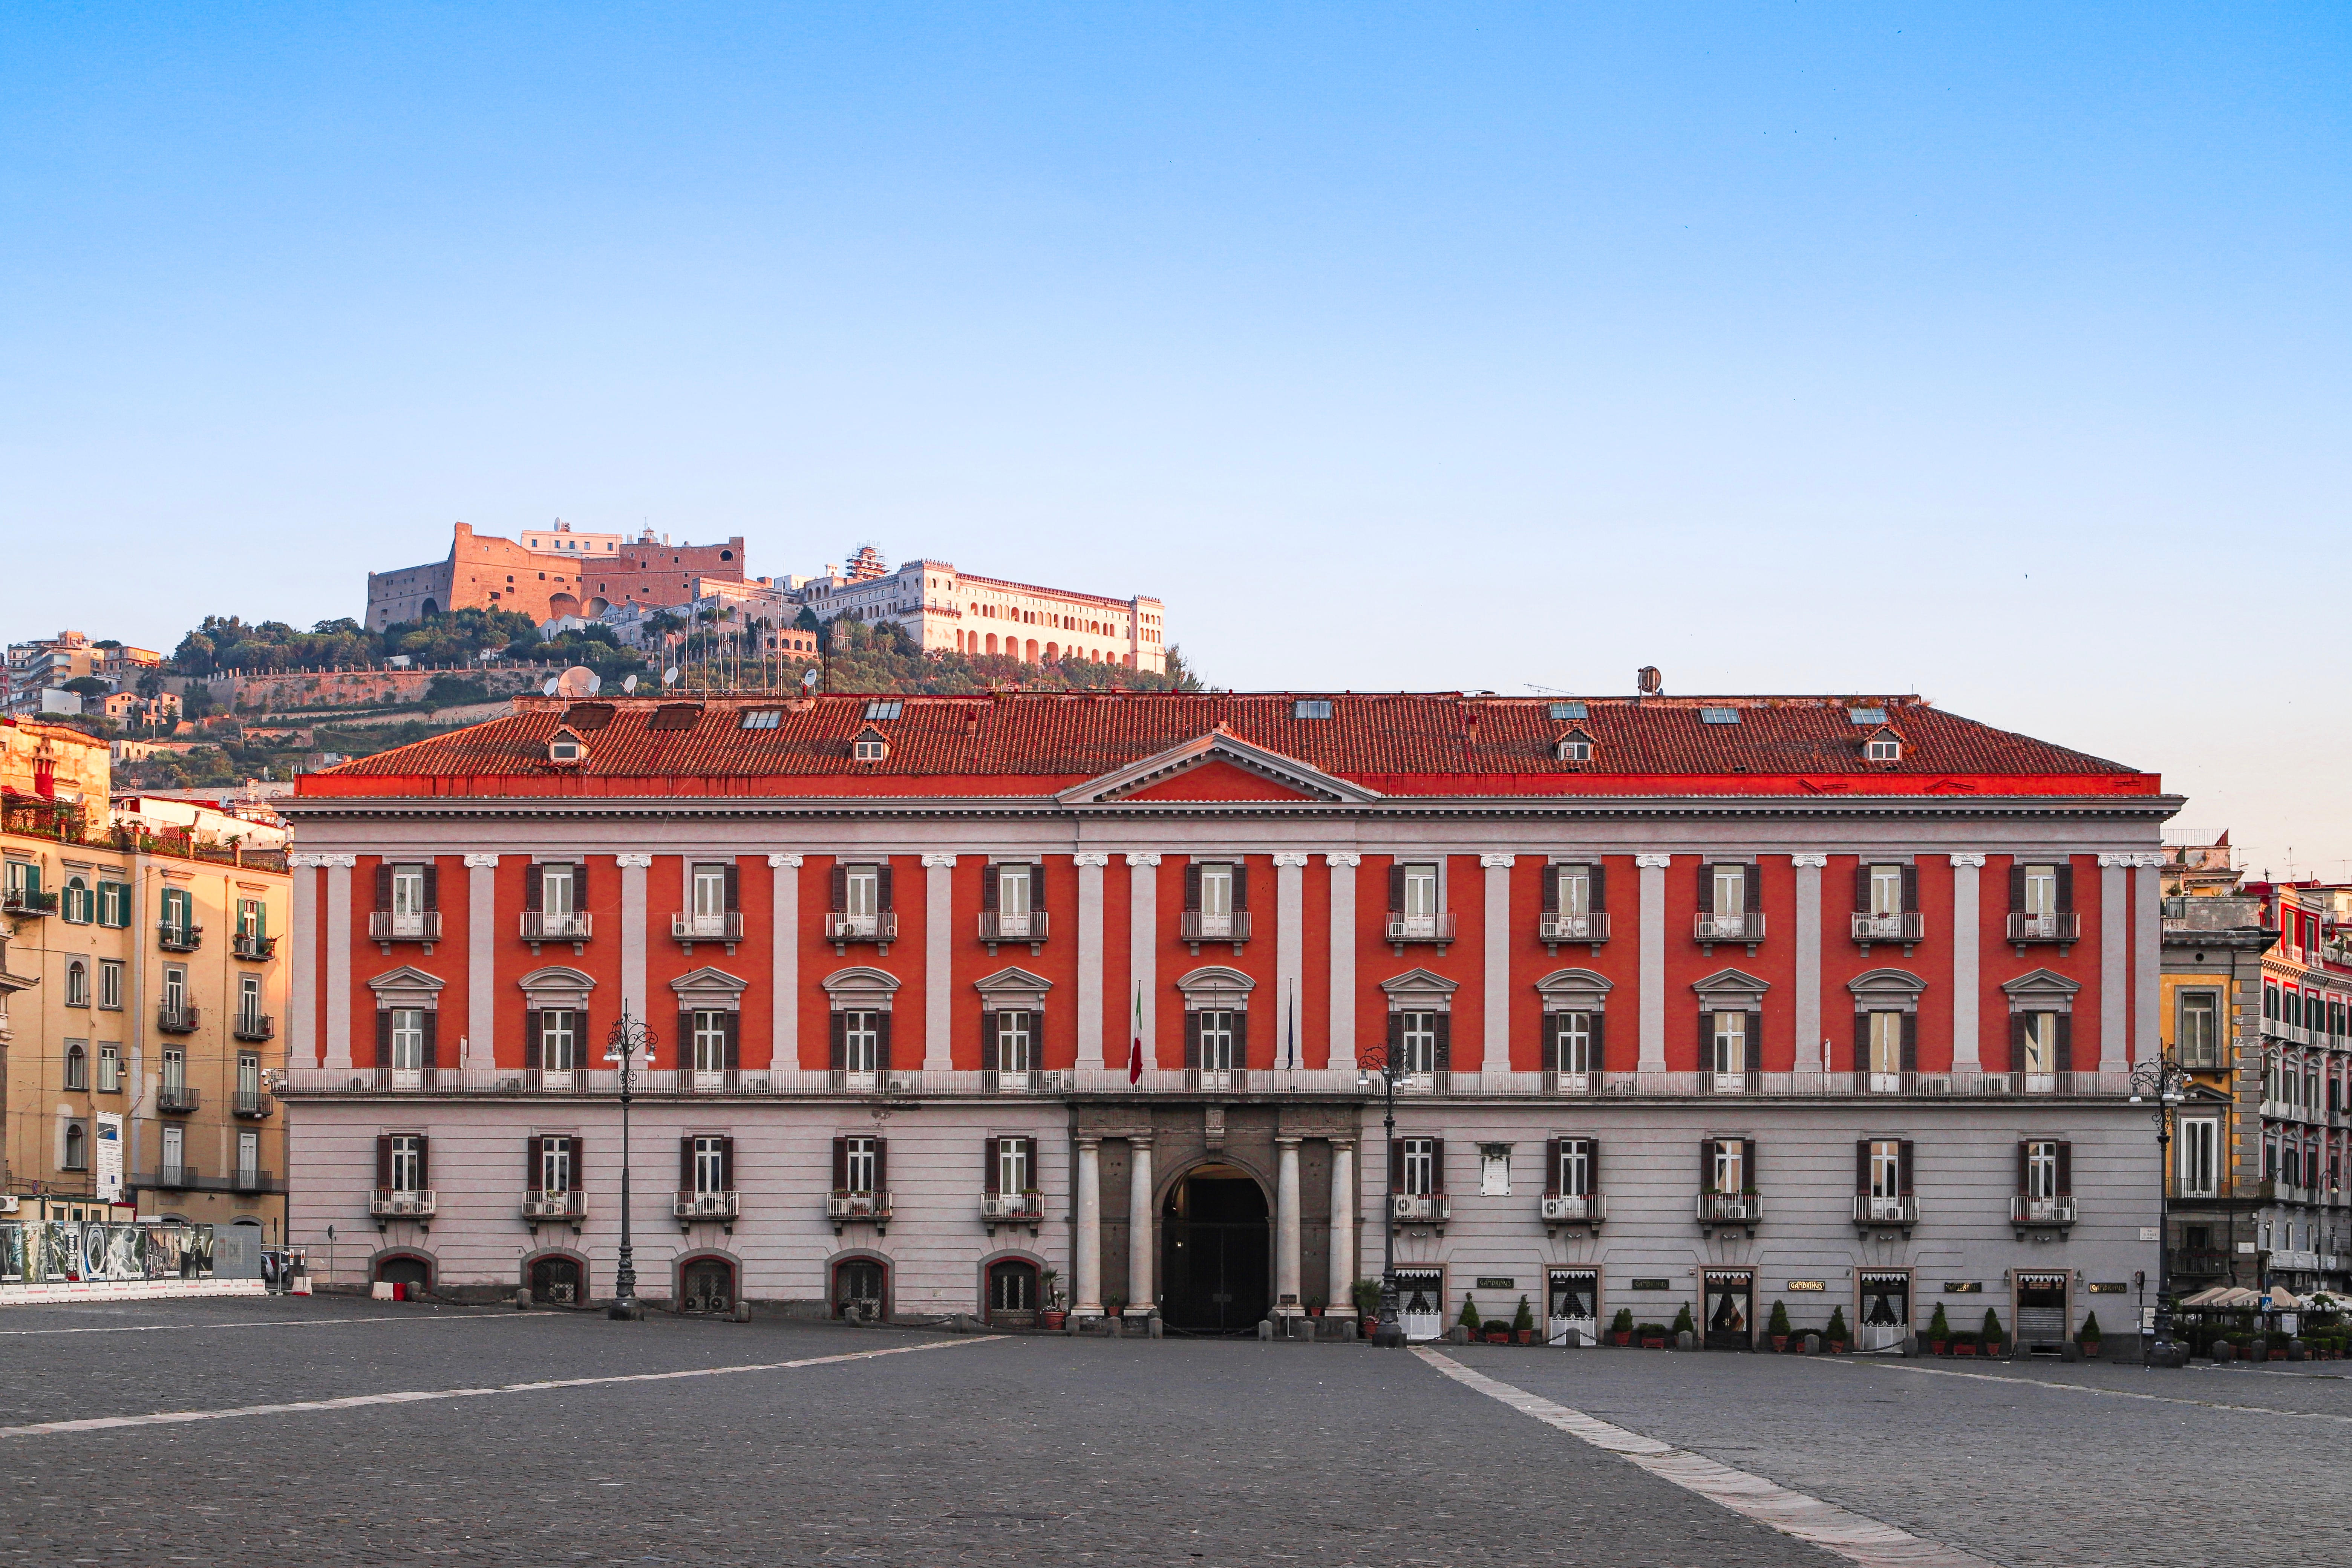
x=1343 y=1145
x=1815 y=861
x=1290 y=858
x=783 y=862
x=1287 y=1141
x=1499 y=862
x=1347 y=860
x=304 y=860
x=1091 y=858
x=2118 y=862
x=1654 y=862
x=632 y=862
x=938 y=862
x=1134 y=858
x=1139 y=1140
x=477 y=860
x=1969 y=860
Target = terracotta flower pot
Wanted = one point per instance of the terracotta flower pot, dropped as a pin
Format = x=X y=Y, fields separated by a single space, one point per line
x=1622 y=1338
x=1054 y=1320
x=1964 y=1350
x=2090 y=1350
x=1837 y=1347
x=1779 y=1344
x=1651 y=1343
x=1524 y=1336
x=1936 y=1347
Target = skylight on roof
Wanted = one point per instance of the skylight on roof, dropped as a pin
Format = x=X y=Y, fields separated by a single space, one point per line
x=1867 y=715
x=763 y=718
x=1311 y=708
x=1567 y=710
x=889 y=710
x=1719 y=715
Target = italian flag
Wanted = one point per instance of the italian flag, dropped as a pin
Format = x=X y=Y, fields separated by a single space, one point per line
x=1135 y=1050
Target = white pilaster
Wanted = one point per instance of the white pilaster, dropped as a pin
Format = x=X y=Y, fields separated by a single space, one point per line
x=939 y=949
x=784 y=962
x=1966 y=1057
x=1343 y=958
x=1289 y=953
x=2114 y=963
x=1653 y=960
x=1142 y=926
x=339 y=959
x=1495 y=1000
x=302 y=984
x=1285 y=1229
x=1141 y=1294
x=480 y=1051
x=1341 y=1298
x=633 y=942
x=2148 y=959
x=1086 y=1242
x=1810 y=1045
x=1090 y=961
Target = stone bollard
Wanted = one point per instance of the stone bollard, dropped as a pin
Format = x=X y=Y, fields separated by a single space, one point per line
x=742 y=1313
x=1301 y=1328
x=1265 y=1328
x=2296 y=1351
x=1457 y=1335
x=1349 y=1329
x=2070 y=1351
x=1686 y=1340
x=1812 y=1344
x=1911 y=1347
x=523 y=1301
x=1154 y=1329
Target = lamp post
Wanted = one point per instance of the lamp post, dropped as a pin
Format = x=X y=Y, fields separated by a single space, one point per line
x=1390 y=1332
x=629 y=1040
x=2167 y=1081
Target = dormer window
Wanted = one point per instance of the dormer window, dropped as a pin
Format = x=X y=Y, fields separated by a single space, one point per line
x=566 y=747
x=1883 y=746
x=1576 y=746
x=870 y=746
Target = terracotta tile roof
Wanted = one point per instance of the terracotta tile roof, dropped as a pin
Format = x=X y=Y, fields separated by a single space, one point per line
x=1408 y=743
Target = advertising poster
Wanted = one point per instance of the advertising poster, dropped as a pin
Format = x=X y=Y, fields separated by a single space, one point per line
x=107 y=1169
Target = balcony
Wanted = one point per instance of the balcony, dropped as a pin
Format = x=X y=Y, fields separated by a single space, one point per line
x=1711 y=928
x=1742 y=1209
x=385 y=1204
x=1573 y=1208
x=254 y=1026
x=2061 y=929
x=841 y=929
x=2201 y=1261
x=257 y=949
x=248 y=1179
x=1196 y=928
x=1907 y=928
x=385 y=926
x=2026 y=1212
x=724 y=1207
x=1012 y=1208
x=253 y=1103
x=177 y=1099
x=174 y=937
x=1403 y=928
x=178 y=1018
x=27 y=901
x=856 y=1208
x=1421 y=1208
x=1032 y=928
x=539 y=926
x=687 y=930
x=175 y=1179
x=1554 y=928
x=1870 y=1213
x=556 y=1208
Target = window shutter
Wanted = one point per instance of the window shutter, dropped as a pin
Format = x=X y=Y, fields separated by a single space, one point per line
x=1754 y=1043
x=531 y=1038
x=383 y=1162
x=1240 y=1040
x=2017 y=1042
x=1396 y=1167
x=686 y=1164
x=2024 y=1166
x=1554 y=1032
x=1192 y=885
x=1437 y=1165
x=531 y=1168
x=382 y=890
x=580 y=888
x=2065 y=1170
x=992 y=1170
x=1551 y=1167
x=1191 y=1041
x=1396 y=1040
x=2016 y=890
x=579 y=1163
x=1862 y=1042
x=2065 y=890
x=882 y=1042
x=991 y=1023
x=384 y=1037
x=1600 y=894
x=734 y=891
x=1862 y=1166
x=534 y=887
x=1755 y=888
x=992 y=881
x=881 y=1164
x=1396 y=890
x=1600 y=1035
x=840 y=888
x=1748 y=1163
x=1241 y=886
x=1862 y=887
x=1910 y=890
x=1911 y=1042
x=425 y=1163
x=1706 y=1164
x=1445 y=1042
x=1550 y=904
x=432 y=886
x=1038 y=887
x=1905 y=1167
x=1591 y=1167
x=883 y=900
x=683 y=1055
x=2065 y=1042
x=838 y=1057
x=1705 y=888
x=841 y=1165
x=432 y=1039
x=727 y=1164
x=733 y=1023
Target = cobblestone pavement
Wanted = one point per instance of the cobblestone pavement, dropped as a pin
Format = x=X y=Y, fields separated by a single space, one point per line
x=1030 y=1449
x=2232 y=1464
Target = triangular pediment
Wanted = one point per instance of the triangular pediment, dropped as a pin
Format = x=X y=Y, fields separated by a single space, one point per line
x=709 y=979
x=407 y=977
x=1222 y=766
x=1012 y=979
x=1420 y=983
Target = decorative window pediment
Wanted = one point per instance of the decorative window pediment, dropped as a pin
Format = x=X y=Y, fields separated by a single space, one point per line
x=1287 y=774
x=1730 y=991
x=407 y=986
x=1214 y=987
x=860 y=988
x=1013 y=989
x=1420 y=990
x=1886 y=991
x=710 y=989
x=1575 y=990
x=2044 y=991
x=557 y=986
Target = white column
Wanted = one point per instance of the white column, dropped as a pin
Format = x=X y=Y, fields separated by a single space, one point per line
x=1966 y=1057
x=481 y=963
x=784 y=962
x=1142 y=929
x=339 y=959
x=1090 y=961
x=939 y=949
x=1086 y=1243
x=1343 y=958
x=2114 y=963
x=633 y=943
x=1285 y=1229
x=302 y=986
x=1290 y=952
x=1653 y=960
x=1496 y=997
x=1343 y=1228
x=1141 y=1294
x=2147 y=960
x=1809 y=960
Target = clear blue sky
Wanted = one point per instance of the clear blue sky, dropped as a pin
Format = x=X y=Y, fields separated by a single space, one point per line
x=1998 y=351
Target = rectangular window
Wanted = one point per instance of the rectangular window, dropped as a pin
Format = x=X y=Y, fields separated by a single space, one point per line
x=248 y=1074
x=709 y=1026
x=1886 y=1168
x=1420 y=900
x=2199 y=1160
x=1015 y=1043
x=861 y=1040
x=1728 y=1035
x=1216 y=880
x=861 y=897
x=555 y=1165
x=2196 y=1030
x=109 y=1070
x=1885 y=1044
x=556 y=890
x=2041 y=892
x=76 y=985
x=1885 y=892
x=861 y=1155
x=1576 y=1167
x=2041 y=1043
x=175 y=1069
x=1418 y=1032
x=114 y=904
x=1730 y=890
x=110 y=984
x=408 y=1039
x=1012 y=898
x=1729 y=1165
x=1574 y=1033
x=1015 y=1159
x=559 y=1039
x=251 y=920
x=1575 y=890
x=711 y=1172
x=249 y=1155
x=1217 y=1041
x=176 y=987
x=408 y=1162
x=248 y=1003
x=1421 y=1173
x=179 y=914
x=175 y=1147
x=710 y=895
x=2042 y=1169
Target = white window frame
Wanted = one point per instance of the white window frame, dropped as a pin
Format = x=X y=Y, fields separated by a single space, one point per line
x=1417 y=1040
x=710 y=1163
x=1575 y=1173
x=2197 y=1166
x=109 y=985
x=2041 y=1168
x=861 y=1041
x=407 y=1159
x=710 y=1043
x=1728 y=1035
x=1015 y=1165
x=1730 y=1164
x=859 y=1157
x=1421 y=1172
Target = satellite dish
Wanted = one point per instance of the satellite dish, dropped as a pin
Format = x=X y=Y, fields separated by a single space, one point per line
x=550 y=687
x=630 y=686
x=809 y=677
x=669 y=675
x=1649 y=680
x=578 y=681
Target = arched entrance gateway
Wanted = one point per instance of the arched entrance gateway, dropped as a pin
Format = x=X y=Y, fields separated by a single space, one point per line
x=1215 y=1252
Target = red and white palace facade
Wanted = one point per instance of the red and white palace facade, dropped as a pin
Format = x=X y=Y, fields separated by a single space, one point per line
x=964 y=1003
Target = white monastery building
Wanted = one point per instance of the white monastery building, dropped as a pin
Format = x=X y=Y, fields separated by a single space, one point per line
x=941 y=608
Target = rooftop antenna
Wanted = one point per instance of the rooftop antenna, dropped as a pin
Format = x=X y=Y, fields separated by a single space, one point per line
x=1554 y=690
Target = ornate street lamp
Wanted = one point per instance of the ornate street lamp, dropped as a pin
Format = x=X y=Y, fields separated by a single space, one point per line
x=629 y=1040
x=1389 y=1333
x=2167 y=1081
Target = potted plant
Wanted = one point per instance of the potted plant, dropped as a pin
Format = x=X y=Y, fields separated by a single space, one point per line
x=1367 y=1293
x=1682 y=1323
x=1621 y=1327
x=1992 y=1335
x=1652 y=1336
x=1835 y=1333
x=1049 y=1289
x=1523 y=1323
x=1314 y=1306
x=1777 y=1326
x=1473 y=1326
x=1939 y=1331
x=2089 y=1338
x=1964 y=1344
